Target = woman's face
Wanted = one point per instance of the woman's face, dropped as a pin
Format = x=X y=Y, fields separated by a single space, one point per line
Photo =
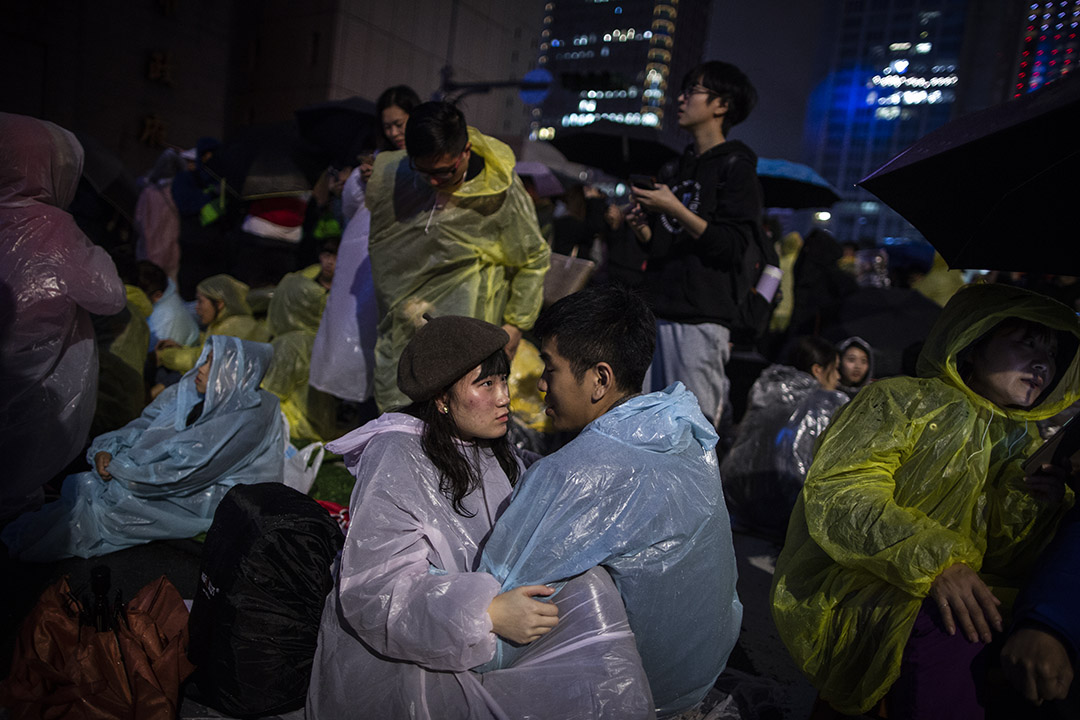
x=205 y=309
x=202 y=376
x=1013 y=367
x=854 y=364
x=827 y=376
x=480 y=406
x=393 y=126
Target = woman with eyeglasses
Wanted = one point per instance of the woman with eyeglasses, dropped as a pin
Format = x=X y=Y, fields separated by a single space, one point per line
x=343 y=356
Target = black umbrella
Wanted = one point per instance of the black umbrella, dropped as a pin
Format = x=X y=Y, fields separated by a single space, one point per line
x=787 y=184
x=619 y=150
x=339 y=127
x=993 y=190
x=108 y=176
x=268 y=161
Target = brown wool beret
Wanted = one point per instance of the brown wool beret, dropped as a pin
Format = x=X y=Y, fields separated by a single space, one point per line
x=442 y=351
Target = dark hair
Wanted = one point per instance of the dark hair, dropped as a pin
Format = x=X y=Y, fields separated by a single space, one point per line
x=401 y=96
x=459 y=473
x=435 y=128
x=811 y=350
x=151 y=278
x=604 y=323
x=728 y=83
x=330 y=245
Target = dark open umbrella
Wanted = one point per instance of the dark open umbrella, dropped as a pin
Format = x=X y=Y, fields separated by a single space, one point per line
x=619 y=150
x=268 y=161
x=993 y=190
x=108 y=176
x=792 y=185
x=339 y=127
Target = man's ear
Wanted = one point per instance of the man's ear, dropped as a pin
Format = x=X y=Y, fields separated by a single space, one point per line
x=722 y=108
x=604 y=381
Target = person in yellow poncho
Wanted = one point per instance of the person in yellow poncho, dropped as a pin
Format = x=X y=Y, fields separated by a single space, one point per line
x=453 y=232
x=293 y=319
x=916 y=509
x=222 y=308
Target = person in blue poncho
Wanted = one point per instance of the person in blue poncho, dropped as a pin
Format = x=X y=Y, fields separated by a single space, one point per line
x=637 y=492
x=164 y=473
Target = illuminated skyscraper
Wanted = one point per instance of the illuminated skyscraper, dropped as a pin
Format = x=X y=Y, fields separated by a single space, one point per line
x=617 y=60
x=1049 y=44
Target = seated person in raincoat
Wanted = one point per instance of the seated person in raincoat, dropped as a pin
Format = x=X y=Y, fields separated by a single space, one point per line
x=453 y=232
x=637 y=491
x=222 y=308
x=122 y=341
x=409 y=614
x=296 y=308
x=169 y=319
x=790 y=407
x=163 y=475
x=51 y=278
x=916 y=506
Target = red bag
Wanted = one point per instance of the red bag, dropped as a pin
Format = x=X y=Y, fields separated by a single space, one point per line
x=63 y=670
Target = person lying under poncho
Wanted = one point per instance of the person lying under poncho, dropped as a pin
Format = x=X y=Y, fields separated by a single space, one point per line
x=164 y=473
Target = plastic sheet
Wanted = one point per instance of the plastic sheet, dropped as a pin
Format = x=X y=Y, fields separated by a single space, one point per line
x=168 y=476
x=407 y=590
x=234 y=319
x=122 y=341
x=764 y=471
x=914 y=475
x=477 y=252
x=51 y=279
x=343 y=357
x=638 y=492
x=170 y=320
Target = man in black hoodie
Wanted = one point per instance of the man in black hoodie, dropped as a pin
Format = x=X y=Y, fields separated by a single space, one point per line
x=696 y=227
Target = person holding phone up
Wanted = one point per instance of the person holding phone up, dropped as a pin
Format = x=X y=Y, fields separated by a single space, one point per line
x=695 y=225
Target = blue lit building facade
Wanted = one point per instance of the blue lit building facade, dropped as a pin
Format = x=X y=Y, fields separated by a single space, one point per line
x=1049 y=47
x=617 y=60
x=893 y=78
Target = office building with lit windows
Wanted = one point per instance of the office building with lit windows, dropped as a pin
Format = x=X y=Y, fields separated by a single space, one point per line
x=617 y=60
x=1049 y=46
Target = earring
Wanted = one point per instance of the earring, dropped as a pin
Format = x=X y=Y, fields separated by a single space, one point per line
x=444 y=409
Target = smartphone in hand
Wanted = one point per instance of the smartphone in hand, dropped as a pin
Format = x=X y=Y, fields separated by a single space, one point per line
x=645 y=182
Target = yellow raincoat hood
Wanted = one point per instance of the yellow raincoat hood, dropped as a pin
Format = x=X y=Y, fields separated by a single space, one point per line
x=476 y=252
x=913 y=476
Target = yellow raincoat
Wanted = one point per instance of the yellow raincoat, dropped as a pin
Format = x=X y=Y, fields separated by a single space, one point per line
x=913 y=476
x=234 y=319
x=293 y=317
x=476 y=252
x=121 y=364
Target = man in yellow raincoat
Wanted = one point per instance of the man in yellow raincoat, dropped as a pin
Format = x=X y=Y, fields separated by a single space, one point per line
x=222 y=308
x=916 y=513
x=453 y=232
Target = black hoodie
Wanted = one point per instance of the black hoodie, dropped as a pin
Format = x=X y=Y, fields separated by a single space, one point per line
x=690 y=280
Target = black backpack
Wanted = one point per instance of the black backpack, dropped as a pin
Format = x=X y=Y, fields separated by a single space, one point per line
x=752 y=310
x=254 y=623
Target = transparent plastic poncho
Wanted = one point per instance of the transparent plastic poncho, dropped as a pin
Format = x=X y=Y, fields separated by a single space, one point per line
x=913 y=476
x=168 y=475
x=52 y=277
x=343 y=357
x=293 y=317
x=764 y=470
x=638 y=492
x=476 y=252
x=407 y=618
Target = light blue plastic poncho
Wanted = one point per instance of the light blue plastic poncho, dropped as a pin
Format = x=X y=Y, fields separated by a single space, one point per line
x=407 y=618
x=638 y=492
x=168 y=475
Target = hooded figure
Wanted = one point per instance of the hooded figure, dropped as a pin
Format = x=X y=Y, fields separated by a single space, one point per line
x=293 y=317
x=170 y=467
x=764 y=471
x=234 y=318
x=475 y=252
x=51 y=279
x=638 y=492
x=842 y=347
x=343 y=356
x=913 y=476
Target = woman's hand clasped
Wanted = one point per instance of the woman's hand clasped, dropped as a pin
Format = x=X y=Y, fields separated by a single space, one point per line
x=101 y=464
x=516 y=616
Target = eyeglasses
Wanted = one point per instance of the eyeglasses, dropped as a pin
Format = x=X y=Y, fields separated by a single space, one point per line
x=443 y=173
x=696 y=90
